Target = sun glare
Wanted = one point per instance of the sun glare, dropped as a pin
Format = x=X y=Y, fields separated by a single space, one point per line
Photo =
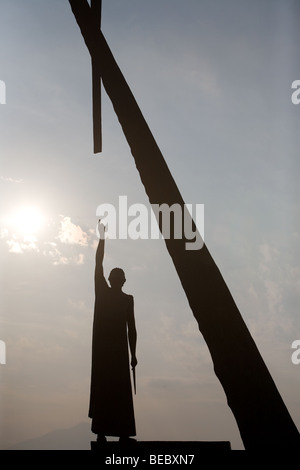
x=27 y=220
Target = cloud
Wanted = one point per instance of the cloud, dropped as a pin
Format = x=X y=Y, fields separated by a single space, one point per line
x=77 y=259
x=14 y=246
x=3 y=232
x=11 y=180
x=199 y=74
x=273 y=294
x=268 y=252
x=58 y=257
x=271 y=276
x=72 y=234
x=62 y=247
x=180 y=384
x=29 y=243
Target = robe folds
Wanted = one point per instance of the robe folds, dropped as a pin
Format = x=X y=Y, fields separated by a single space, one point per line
x=111 y=403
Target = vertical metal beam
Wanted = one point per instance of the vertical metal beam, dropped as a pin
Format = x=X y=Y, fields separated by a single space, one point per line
x=96 y=7
x=261 y=415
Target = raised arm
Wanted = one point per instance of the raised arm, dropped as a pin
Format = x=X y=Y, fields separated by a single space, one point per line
x=100 y=281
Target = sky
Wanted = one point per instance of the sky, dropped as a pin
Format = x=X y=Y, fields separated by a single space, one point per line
x=213 y=80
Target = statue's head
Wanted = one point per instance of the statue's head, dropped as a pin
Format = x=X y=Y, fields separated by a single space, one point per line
x=117 y=278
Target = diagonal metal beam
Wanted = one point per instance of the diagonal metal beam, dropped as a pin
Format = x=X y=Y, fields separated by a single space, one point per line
x=261 y=415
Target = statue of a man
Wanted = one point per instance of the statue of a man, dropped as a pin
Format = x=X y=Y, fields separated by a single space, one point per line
x=111 y=403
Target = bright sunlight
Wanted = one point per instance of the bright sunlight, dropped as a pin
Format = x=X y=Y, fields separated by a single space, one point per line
x=27 y=220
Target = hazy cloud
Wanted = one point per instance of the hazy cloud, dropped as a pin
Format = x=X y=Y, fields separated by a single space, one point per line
x=62 y=248
x=11 y=180
x=72 y=234
x=28 y=243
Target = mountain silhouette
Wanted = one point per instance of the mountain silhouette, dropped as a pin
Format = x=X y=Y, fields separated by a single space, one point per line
x=75 y=438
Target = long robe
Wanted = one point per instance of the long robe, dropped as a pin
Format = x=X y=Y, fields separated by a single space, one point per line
x=111 y=403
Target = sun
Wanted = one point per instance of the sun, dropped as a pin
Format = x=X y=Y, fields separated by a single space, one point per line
x=26 y=220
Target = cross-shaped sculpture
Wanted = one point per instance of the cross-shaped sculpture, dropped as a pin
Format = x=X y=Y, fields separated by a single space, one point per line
x=262 y=417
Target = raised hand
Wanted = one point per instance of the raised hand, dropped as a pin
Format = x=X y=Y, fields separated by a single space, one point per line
x=101 y=229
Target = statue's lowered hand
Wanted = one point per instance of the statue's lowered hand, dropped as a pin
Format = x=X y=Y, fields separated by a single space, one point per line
x=133 y=361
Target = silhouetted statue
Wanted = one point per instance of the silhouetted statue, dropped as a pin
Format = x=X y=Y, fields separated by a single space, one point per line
x=111 y=403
